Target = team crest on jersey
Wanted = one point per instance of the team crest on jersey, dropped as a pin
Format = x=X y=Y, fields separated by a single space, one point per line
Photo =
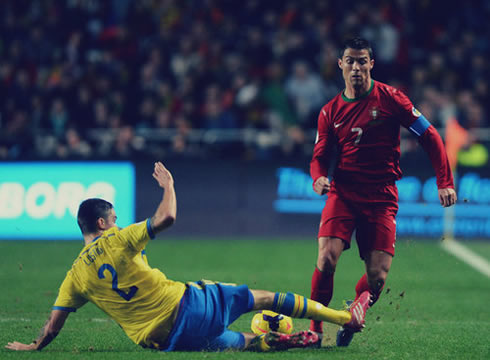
x=415 y=112
x=374 y=112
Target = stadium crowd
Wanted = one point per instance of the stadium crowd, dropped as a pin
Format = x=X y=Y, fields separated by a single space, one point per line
x=102 y=79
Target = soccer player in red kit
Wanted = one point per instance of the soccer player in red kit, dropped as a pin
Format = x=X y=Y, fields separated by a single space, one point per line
x=363 y=123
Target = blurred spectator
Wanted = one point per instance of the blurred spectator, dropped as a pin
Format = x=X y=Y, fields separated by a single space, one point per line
x=307 y=93
x=215 y=116
x=163 y=118
x=385 y=39
x=83 y=112
x=281 y=116
x=16 y=138
x=185 y=59
x=275 y=97
x=146 y=113
x=127 y=144
x=58 y=118
x=101 y=114
x=37 y=113
x=73 y=147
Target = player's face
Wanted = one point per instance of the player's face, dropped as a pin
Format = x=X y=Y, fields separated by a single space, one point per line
x=356 y=67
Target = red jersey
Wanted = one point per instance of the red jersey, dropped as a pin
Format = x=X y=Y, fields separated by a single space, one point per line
x=366 y=132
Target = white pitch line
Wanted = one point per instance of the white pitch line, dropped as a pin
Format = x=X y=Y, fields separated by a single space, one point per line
x=466 y=255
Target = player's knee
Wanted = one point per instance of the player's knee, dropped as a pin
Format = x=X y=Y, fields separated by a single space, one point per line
x=327 y=261
x=262 y=299
x=329 y=251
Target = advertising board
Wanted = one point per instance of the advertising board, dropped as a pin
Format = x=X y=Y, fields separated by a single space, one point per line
x=420 y=213
x=39 y=200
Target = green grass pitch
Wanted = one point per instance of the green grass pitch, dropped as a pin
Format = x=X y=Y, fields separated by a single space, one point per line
x=433 y=306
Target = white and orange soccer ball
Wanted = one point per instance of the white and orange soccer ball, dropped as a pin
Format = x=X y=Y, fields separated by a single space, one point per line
x=266 y=320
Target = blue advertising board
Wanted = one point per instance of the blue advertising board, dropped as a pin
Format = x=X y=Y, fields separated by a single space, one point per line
x=420 y=213
x=40 y=200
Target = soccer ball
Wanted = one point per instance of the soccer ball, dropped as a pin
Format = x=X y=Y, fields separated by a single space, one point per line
x=266 y=320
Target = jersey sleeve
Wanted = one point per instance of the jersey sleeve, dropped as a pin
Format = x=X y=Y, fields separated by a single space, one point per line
x=136 y=236
x=434 y=147
x=428 y=138
x=323 y=148
x=69 y=299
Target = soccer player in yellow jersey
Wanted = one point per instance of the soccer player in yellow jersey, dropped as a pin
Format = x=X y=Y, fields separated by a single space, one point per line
x=111 y=271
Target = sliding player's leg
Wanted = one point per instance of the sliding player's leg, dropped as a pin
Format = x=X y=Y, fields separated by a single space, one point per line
x=298 y=306
x=198 y=327
x=208 y=309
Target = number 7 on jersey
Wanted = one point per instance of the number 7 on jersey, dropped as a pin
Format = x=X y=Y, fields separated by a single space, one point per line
x=357 y=130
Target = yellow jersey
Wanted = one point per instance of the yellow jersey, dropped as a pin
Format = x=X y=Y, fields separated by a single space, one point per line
x=112 y=272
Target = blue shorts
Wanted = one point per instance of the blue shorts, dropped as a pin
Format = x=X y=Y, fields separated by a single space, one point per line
x=206 y=310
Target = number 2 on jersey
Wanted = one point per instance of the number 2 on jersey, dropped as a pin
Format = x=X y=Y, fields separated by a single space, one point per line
x=125 y=296
x=357 y=130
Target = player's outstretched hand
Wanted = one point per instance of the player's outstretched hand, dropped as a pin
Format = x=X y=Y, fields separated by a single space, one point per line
x=447 y=197
x=322 y=185
x=20 y=347
x=162 y=175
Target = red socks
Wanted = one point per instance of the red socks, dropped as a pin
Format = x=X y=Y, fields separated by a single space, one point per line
x=362 y=285
x=321 y=291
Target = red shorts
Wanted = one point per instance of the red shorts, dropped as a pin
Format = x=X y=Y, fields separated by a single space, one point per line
x=370 y=209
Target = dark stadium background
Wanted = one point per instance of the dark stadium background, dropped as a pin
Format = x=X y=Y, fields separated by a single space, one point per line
x=226 y=93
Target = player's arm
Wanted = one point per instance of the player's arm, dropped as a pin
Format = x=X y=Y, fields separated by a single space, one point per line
x=166 y=212
x=48 y=332
x=321 y=157
x=431 y=142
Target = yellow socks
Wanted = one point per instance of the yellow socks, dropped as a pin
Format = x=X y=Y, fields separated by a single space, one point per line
x=298 y=306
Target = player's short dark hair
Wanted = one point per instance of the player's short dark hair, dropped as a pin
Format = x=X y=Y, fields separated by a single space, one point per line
x=89 y=212
x=357 y=43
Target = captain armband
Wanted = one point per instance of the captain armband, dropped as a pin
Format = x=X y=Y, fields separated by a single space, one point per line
x=419 y=126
